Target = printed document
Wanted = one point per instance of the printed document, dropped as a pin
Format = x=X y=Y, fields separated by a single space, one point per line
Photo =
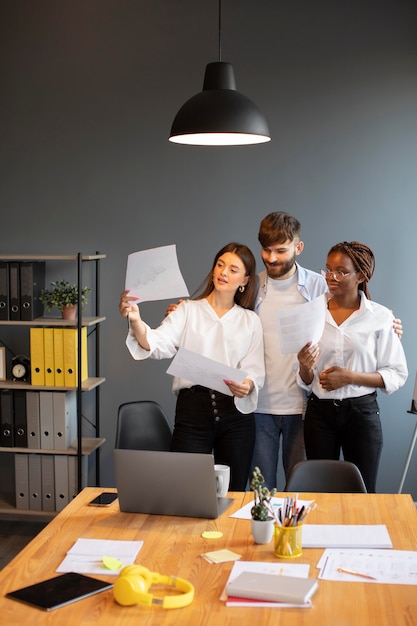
x=155 y=275
x=301 y=324
x=394 y=567
x=203 y=371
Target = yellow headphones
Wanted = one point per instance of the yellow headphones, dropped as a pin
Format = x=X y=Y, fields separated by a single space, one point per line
x=132 y=584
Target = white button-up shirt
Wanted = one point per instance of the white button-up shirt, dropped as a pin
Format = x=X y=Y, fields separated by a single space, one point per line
x=364 y=342
x=234 y=339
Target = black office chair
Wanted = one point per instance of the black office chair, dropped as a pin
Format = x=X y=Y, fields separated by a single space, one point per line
x=143 y=425
x=325 y=475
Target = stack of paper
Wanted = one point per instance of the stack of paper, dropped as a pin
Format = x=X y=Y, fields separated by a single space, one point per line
x=374 y=566
x=346 y=536
x=100 y=556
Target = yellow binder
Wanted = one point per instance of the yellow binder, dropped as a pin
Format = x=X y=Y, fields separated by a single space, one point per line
x=37 y=361
x=59 y=357
x=71 y=356
x=48 y=343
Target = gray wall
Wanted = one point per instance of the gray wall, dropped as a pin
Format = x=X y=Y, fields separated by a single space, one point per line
x=89 y=90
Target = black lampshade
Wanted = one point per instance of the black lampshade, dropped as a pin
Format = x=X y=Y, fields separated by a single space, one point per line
x=219 y=115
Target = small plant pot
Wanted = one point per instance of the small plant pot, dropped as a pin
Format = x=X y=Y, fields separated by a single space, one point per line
x=262 y=531
x=69 y=312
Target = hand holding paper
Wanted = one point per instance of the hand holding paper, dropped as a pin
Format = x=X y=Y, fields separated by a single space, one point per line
x=203 y=371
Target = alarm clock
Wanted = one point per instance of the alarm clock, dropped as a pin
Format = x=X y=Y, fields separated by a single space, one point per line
x=21 y=368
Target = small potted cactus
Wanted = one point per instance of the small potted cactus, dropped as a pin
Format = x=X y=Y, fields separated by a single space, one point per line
x=263 y=518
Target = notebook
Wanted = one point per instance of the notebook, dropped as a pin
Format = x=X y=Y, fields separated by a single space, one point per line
x=167 y=483
x=260 y=586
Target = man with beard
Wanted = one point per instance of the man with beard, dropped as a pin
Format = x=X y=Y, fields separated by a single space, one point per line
x=283 y=285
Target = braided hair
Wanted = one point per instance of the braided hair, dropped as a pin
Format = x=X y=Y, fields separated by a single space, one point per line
x=362 y=258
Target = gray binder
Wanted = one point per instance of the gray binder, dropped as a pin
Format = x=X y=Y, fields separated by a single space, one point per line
x=21 y=469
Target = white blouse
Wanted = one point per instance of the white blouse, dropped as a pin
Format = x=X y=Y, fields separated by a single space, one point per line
x=364 y=342
x=234 y=339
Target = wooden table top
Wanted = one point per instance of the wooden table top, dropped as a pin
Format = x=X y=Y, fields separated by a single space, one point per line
x=173 y=546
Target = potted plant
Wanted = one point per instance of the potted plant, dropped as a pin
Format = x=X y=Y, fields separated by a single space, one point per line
x=63 y=296
x=263 y=518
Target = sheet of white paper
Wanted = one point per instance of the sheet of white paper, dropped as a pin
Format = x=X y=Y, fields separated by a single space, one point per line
x=300 y=570
x=86 y=555
x=155 y=275
x=244 y=512
x=200 y=370
x=346 y=536
x=394 y=567
x=301 y=324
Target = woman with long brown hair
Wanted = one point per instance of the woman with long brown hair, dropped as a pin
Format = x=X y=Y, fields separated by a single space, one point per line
x=220 y=324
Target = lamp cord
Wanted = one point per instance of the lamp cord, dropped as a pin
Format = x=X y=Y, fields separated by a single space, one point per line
x=220 y=30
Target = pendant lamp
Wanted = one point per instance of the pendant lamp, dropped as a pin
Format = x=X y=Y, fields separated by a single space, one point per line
x=219 y=115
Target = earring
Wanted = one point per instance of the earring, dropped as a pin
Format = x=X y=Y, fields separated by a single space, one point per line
x=242 y=288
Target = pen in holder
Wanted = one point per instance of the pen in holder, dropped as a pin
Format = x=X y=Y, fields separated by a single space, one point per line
x=288 y=541
x=288 y=530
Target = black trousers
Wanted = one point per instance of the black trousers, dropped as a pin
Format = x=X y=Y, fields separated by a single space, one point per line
x=352 y=426
x=208 y=422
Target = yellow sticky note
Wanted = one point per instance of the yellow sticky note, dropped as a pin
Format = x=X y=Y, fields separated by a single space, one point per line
x=110 y=562
x=212 y=534
x=221 y=556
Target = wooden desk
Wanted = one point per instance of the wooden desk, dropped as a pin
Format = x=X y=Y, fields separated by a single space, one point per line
x=173 y=545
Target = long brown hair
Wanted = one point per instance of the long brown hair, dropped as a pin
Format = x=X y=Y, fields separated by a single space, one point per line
x=362 y=258
x=245 y=299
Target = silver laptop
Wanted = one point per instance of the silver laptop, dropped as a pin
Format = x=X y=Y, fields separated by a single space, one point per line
x=167 y=483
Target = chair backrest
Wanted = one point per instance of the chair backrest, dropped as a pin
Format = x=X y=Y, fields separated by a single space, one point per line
x=143 y=425
x=325 y=475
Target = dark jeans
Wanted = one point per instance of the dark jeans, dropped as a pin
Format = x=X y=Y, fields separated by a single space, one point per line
x=352 y=426
x=208 y=422
x=270 y=430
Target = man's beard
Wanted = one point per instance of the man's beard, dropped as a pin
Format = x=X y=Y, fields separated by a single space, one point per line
x=281 y=269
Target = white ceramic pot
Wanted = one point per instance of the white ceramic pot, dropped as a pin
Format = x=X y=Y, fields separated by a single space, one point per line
x=262 y=532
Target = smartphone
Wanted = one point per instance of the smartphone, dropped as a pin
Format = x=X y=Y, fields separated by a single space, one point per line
x=104 y=499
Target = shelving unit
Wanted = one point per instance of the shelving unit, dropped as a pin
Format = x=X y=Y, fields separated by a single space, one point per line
x=85 y=446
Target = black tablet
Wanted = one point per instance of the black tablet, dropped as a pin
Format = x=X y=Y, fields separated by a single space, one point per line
x=59 y=591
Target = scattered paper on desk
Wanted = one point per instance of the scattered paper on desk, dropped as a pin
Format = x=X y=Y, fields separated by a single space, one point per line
x=346 y=536
x=221 y=556
x=86 y=556
x=300 y=570
x=395 y=567
x=155 y=275
x=244 y=512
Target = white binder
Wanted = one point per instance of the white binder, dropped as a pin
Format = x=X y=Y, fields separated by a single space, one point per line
x=65 y=419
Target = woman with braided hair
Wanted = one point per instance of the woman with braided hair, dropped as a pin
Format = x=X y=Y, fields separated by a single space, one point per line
x=358 y=353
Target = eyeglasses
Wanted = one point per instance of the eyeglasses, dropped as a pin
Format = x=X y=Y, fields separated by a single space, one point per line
x=336 y=274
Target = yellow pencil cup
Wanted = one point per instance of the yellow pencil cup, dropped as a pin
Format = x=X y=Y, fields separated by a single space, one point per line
x=288 y=541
